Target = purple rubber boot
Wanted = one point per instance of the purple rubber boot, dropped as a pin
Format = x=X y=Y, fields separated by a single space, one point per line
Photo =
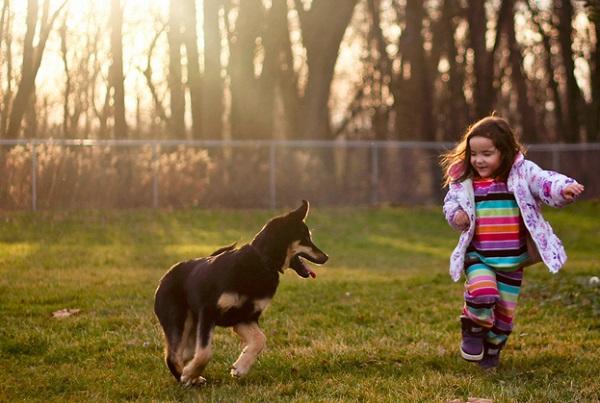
x=471 y=347
x=491 y=355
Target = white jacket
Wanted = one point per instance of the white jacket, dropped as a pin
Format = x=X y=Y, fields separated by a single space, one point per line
x=530 y=184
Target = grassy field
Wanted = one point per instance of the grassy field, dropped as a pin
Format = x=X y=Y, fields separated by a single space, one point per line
x=380 y=322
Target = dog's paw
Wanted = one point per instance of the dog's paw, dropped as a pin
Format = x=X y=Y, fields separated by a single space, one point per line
x=189 y=382
x=238 y=372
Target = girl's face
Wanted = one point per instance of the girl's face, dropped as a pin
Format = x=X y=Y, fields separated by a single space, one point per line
x=485 y=157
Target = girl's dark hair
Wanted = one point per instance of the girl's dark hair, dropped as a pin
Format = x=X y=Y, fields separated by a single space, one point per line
x=456 y=163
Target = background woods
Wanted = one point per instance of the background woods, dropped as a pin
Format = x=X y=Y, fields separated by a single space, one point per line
x=320 y=69
x=399 y=70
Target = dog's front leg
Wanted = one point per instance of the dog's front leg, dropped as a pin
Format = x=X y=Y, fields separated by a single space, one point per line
x=202 y=354
x=254 y=342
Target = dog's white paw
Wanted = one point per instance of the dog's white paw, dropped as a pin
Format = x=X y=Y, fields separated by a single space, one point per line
x=238 y=372
x=188 y=382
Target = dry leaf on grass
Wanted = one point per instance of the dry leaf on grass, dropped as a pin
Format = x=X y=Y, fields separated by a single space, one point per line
x=65 y=313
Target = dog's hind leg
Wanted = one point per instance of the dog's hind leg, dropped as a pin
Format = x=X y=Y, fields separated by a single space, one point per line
x=254 y=342
x=202 y=352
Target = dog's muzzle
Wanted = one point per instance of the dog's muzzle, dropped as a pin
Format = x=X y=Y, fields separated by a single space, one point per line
x=301 y=268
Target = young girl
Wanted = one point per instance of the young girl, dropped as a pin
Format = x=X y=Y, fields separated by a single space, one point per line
x=493 y=198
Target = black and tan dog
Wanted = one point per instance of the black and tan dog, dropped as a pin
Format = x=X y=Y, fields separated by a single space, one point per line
x=232 y=287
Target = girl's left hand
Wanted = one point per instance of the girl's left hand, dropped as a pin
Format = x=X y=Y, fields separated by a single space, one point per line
x=572 y=191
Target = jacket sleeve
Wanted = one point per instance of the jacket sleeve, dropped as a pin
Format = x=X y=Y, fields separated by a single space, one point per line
x=451 y=204
x=547 y=186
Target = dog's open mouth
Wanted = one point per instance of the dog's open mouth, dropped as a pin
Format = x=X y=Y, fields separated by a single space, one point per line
x=297 y=263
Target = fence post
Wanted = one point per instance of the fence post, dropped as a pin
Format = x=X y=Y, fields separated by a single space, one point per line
x=154 y=175
x=33 y=177
x=272 y=187
x=374 y=173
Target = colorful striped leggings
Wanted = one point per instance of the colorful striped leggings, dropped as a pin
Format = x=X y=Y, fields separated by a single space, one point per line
x=491 y=299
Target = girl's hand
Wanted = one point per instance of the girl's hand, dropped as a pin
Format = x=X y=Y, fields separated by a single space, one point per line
x=461 y=220
x=572 y=191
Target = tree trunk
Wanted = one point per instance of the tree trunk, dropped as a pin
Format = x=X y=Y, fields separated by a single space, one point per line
x=4 y=18
x=323 y=28
x=67 y=93
x=484 y=79
x=26 y=85
x=527 y=112
x=456 y=103
x=116 y=74
x=594 y=128
x=176 y=91
x=421 y=74
x=158 y=105
x=212 y=88
x=244 y=88
x=32 y=59
x=383 y=64
x=552 y=84
x=5 y=98
x=564 y=11
x=288 y=81
x=193 y=66
x=275 y=40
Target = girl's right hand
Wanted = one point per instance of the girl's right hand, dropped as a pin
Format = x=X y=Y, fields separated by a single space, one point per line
x=461 y=220
x=572 y=191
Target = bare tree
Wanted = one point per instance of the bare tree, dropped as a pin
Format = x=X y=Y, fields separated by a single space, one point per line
x=67 y=93
x=212 y=88
x=483 y=59
x=116 y=77
x=415 y=108
x=549 y=67
x=323 y=27
x=5 y=34
x=564 y=13
x=176 y=90
x=273 y=33
x=243 y=47
x=32 y=59
x=4 y=17
x=594 y=110
x=455 y=104
x=527 y=112
x=190 y=40
x=158 y=103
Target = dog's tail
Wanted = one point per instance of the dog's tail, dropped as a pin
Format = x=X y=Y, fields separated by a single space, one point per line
x=224 y=249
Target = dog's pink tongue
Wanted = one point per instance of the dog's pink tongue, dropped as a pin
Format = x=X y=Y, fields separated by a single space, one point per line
x=312 y=273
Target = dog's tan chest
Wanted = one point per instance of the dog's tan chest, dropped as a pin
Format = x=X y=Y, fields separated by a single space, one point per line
x=229 y=300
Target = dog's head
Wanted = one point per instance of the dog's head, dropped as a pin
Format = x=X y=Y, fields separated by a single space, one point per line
x=287 y=240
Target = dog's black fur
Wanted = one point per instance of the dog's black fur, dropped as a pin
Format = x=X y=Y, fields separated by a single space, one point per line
x=231 y=287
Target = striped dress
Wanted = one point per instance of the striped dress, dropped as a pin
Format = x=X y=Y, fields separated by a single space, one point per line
x=500 y=235
x=492 y=269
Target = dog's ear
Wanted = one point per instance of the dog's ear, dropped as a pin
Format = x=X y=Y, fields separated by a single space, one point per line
x=302 y=211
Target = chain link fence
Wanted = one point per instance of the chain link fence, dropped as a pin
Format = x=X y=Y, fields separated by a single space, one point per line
x=102 y=174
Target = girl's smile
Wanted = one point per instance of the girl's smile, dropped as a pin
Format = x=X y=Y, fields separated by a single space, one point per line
x=485 y=157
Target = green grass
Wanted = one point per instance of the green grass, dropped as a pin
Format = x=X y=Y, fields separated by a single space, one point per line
x=380 y=322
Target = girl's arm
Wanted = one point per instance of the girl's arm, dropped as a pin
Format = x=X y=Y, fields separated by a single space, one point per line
x=452 y=207
x=553 y=188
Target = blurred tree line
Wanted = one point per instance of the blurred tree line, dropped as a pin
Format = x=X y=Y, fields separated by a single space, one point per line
x=301 y=69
